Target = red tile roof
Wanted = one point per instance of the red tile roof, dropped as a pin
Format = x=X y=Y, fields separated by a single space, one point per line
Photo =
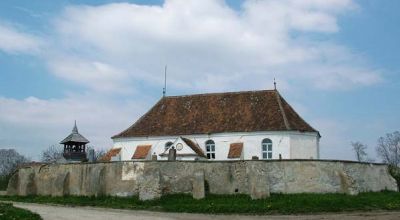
x=141 y=152
x=111 y=153
x=235 y=150
x=264 y=110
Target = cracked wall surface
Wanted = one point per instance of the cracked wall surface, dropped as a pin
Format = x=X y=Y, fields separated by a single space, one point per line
x=151 y=179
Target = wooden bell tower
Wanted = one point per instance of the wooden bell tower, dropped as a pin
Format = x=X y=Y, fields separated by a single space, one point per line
x=75 y=146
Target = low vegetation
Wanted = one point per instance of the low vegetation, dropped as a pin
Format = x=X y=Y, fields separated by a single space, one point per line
x=4 y=182
x=395 y=172
x=240 y=204
x=9 y=212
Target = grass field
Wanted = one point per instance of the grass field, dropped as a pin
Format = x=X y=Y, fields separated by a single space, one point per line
x=276 y=204
x=9 y=212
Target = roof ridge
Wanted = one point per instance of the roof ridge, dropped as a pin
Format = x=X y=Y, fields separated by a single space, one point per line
x=285 y=120
x=220 y=93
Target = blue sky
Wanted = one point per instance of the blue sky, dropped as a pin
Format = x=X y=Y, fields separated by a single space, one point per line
x=101 y=62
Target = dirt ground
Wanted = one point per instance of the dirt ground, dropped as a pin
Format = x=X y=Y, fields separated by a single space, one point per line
x=89 y=213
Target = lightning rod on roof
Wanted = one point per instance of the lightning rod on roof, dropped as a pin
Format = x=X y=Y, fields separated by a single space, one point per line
x=165 y=81
x=274 y=84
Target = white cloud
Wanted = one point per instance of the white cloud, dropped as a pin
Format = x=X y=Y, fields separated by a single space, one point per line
x=203 y=40
x=207 y=45
x=33 y=124
x=15 y=41
x=96 y=75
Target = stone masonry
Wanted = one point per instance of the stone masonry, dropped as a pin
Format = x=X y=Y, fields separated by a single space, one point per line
x=151 y=179
x=198 y=190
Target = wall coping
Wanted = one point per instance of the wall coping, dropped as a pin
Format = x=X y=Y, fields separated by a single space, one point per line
x=214 y=161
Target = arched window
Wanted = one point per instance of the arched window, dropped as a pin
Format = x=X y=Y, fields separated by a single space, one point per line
x=266 y=148
x=167 y=145
x=210 y=149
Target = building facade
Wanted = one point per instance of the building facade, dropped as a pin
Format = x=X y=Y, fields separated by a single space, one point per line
x=219 y=126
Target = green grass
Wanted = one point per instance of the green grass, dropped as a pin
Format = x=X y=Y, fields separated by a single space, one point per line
x=4 y=182
x=241 y=204
x=9 y=212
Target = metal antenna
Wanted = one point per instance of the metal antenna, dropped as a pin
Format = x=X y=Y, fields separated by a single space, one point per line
x=274 y=84
x=165 y=81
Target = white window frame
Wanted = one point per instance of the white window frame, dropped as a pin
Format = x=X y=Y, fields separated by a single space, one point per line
x=210 y=149
x=266 y=149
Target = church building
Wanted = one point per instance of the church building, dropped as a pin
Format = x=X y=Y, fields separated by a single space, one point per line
x=219 y=126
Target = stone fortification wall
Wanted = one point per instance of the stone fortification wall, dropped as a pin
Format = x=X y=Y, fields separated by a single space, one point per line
x=151 y=179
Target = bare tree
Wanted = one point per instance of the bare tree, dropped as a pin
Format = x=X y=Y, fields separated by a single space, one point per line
x=52 y=154
x=99 y=153
x=388 y=148
x=10 y=159
x=359 y=149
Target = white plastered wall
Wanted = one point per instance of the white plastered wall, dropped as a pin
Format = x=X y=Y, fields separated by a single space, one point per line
x=304 y=146
x=288 y=144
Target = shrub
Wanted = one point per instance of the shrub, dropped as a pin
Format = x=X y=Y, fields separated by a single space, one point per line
x=395 y=172
x=4 y=182
x=9 y=212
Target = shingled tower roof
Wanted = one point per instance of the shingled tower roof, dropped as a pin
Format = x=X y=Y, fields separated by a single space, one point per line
x=75 y=137
x=249 y=111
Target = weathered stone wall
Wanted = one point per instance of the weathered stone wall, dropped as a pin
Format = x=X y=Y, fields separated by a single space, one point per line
x=151 y=179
